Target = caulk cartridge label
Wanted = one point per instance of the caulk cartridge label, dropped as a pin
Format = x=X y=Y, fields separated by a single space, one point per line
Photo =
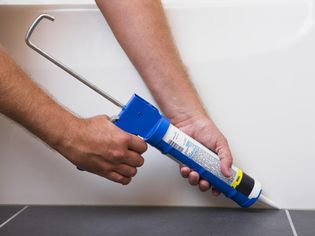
x=210 y=161
x=197 y=152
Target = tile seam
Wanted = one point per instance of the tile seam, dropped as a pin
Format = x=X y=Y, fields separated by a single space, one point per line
x=291 y=223
x=13 y=216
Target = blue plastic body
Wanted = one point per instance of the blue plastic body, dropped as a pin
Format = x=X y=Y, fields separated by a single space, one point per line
x=141 y=118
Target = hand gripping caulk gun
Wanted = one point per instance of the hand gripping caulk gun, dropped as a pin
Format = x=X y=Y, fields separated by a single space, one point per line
x=141 y=118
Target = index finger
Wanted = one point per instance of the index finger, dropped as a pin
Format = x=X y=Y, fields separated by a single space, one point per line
x=133 y=159
x=137 y=144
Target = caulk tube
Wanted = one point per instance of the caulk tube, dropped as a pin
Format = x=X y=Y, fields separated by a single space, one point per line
x=143 y=119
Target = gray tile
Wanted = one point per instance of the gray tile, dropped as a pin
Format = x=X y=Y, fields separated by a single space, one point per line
x=137 y=221
x=7 y=211
x=304 y=222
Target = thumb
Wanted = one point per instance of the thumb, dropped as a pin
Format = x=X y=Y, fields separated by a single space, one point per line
x=225 y=156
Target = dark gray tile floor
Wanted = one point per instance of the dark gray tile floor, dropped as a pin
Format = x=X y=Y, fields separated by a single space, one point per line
x=304 y=222
x=137 y=221
x=7 y=211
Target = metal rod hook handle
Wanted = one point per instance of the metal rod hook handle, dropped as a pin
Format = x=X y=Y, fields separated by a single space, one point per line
x=61 y=65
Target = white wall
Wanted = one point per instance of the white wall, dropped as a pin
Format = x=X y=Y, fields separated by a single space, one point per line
x=251 y=61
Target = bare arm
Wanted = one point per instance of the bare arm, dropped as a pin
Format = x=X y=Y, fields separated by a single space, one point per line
x=141 y=28
x=23 y=101
x=94 y=144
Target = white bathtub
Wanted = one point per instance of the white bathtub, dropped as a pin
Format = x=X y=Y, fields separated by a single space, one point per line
x=252 y=62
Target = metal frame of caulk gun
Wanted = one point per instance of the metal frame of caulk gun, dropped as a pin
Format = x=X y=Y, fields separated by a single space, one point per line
x=61 y=65
x=135 y=100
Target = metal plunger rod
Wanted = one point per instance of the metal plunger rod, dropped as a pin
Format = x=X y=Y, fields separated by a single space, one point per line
x=61 y=65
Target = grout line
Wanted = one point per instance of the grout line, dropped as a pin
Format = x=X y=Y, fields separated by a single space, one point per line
x=12 y=217
x=291 y=223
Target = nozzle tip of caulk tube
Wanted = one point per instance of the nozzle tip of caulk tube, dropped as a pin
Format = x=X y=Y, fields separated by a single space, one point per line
x=266 y=201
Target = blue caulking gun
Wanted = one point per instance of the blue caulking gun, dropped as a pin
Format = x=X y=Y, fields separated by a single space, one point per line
x=141 y=118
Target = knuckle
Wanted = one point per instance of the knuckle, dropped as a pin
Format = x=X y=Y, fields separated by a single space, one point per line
x=100 y=169
x=116 y=178
x=118 y=155
x=225 y=143
x=119 y=179
x=106 y=174
x=124 y=139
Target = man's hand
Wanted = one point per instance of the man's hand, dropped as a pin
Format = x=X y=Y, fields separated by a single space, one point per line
x=98 y=146
x=204 y=131
x=142 y=30
x=94 y=144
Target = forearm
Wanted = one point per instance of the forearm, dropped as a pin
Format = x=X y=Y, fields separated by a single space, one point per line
x=141 y=28
x=23 y=101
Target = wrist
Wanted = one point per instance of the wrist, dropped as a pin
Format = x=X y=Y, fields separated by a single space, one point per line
x=65 y=132
x=187 y=118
